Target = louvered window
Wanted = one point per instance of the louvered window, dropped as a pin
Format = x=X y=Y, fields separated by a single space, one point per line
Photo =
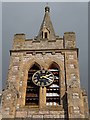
x=53 y=91
x=32 y=91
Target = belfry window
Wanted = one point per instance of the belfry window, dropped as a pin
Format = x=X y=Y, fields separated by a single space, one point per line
x=45 y=34
x=53 y=91
x=32 y=91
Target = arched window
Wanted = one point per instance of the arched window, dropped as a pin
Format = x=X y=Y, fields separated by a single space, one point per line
x=45 y=34
x=53 y=91
x=32 y=91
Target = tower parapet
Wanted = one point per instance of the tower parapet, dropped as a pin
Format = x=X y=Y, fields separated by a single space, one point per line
x=69 y=40
x=19 y=36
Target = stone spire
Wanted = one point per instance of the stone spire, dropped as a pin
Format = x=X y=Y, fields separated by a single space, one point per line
x=46 y=30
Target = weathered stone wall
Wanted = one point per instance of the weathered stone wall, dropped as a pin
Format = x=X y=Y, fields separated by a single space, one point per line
x=69 y=40
x=85 y=102
x=40 y=114
x=74 y=92
x=27 y=52
x=20 y=43
x=21 y=63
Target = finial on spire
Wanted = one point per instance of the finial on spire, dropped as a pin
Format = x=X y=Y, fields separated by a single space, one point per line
x=47 y=9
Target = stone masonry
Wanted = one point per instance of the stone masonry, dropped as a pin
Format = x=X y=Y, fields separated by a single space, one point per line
x=46 y=48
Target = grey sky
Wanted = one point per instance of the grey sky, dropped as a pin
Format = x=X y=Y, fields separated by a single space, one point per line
x=45 y=0
x=27 y=18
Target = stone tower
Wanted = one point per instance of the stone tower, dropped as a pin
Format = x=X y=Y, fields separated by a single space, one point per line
x=41 y=57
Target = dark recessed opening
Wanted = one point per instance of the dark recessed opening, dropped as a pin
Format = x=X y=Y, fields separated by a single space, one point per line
x=42 y=34
x=32 y=91
x=45 y=34
x=53 y=91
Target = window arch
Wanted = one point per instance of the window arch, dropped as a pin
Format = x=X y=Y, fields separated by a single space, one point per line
x=54 y=65
x=53 y=91
x=32 y=91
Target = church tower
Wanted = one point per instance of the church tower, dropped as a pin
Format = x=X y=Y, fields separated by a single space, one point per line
x=43 y=77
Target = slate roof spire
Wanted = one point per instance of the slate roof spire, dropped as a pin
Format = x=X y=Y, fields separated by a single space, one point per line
x=46 y=30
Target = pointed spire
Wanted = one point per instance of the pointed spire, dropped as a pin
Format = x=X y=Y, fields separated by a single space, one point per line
x=46 y=30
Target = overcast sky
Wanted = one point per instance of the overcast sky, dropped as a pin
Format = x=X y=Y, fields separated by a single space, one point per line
x=44 y=0
x=27 y=18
